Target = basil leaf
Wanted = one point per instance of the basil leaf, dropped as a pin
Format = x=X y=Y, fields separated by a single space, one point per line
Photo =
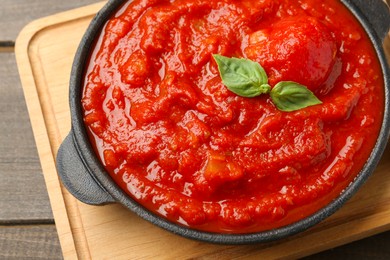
x=244 y=77
x=291 y=96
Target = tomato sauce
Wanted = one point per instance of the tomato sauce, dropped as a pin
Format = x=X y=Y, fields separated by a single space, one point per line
x=175 y=139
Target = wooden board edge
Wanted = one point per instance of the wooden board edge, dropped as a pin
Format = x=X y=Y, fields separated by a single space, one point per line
x=359 y=229
x=58 y=196
x=41 y=139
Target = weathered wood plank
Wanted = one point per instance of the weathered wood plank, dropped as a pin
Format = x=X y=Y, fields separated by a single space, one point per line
x=15 y=14
x=29 y=242
x=23 y=195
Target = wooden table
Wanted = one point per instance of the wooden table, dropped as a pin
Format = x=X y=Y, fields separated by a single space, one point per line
x=27 y=227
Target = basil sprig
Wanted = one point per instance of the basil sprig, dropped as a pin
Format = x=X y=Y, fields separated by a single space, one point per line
x=247 y=78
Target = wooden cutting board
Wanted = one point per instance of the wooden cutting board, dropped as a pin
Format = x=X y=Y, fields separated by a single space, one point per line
x=44 y=52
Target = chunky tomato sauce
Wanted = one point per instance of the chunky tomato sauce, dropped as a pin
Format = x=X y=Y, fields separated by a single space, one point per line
x=179 y=142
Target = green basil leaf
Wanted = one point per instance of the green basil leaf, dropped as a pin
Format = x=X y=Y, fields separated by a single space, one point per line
x=244 y=77
x=290 y=96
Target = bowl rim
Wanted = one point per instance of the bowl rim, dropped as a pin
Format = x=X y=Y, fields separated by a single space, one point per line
x=97 y=171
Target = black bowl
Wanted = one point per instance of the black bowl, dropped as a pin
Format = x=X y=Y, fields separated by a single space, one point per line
x=85 y=177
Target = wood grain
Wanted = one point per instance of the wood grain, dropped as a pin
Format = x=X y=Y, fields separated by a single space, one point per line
x=23 y=195
x=45 y=50
x=375 y=247
x=29 y=242
x=15 y=14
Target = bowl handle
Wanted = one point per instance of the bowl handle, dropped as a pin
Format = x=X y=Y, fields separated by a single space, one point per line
x=376 y=13
x=76 y=177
